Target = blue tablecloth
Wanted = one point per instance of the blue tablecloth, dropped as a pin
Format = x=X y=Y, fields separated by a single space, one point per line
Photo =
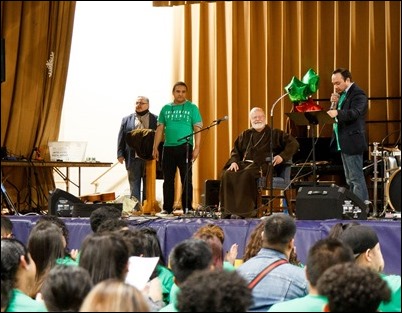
x=172 y=231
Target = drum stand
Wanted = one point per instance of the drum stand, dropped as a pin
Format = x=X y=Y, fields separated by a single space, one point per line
x=375 y=178
x=385 y=179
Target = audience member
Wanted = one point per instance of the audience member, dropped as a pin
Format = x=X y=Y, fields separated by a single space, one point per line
x=248 y=162
x=254 y=245
x=187 y=257
x=285 y=281
x=105 y=256
x=352 y=288
x=18 y=272
x=365 y=245
x=214 y=291
x=101 y=214
x=69 y=254
x=141 y=244
x=337 y=229
x=153 y=249
x=216 y=247
x=65 y=288
x=321 y=256
x=112 y=225
x=47 y=247
x=114 y=295
x=231 y=255
x=6 y=227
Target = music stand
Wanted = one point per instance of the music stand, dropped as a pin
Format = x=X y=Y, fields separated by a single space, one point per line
x=311 y=118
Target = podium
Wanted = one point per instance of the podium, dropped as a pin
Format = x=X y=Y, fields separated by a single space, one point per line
x=150 y=205
x=311 y=118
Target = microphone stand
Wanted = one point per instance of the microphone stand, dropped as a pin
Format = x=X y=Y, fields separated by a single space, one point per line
x=187 y=138
x=271 y=189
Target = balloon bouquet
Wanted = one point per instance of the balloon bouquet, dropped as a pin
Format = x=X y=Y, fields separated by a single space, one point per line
x=301 y=91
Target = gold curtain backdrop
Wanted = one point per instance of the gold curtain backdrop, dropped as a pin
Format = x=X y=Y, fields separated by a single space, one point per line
x=232 y=55
x=237 y=55
x=38 y=40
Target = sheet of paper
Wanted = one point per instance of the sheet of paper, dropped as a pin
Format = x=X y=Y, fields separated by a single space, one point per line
x=139 y=270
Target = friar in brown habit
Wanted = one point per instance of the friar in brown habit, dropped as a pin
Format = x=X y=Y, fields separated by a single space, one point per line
x=247 y=162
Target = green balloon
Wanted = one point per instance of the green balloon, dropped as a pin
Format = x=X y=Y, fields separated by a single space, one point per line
x=311 y=79
x=296 y=90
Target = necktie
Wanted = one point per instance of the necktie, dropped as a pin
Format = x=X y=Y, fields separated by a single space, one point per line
x=341 y=98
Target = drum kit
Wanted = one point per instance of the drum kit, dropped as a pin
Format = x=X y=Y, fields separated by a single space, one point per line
x=390 y=177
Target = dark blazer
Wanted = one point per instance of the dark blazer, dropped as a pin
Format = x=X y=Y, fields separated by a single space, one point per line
x=352 y=122
x=127 y=125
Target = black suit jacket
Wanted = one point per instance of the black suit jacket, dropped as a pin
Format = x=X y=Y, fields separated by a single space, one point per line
x=352 y=122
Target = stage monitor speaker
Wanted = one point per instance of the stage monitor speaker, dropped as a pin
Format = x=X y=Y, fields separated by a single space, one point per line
x=61 y=203
x=326 y=202
x=212 y=192
x=85 y=210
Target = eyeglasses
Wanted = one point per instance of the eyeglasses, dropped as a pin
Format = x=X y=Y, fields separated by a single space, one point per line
x=141 y=103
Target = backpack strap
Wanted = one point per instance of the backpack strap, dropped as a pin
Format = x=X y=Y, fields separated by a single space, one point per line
x=265 y=271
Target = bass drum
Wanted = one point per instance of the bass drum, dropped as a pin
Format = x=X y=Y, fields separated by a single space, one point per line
x=393 y=191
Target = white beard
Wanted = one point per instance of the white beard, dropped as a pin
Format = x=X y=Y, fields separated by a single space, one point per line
x=258 y=126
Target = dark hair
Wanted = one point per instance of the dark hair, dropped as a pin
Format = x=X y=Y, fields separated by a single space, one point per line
x=325 y=253
x=279 y=229
x=353 y=288
x=344 y=73
x=153 y=248
x=11 y=252
x=189 y=256
x=179 y=84
x=214 y=291
x=101 y=214
x=61 y=224
x=112 y=225
x=65 y=288
x=46 y=245
x=104 y=255
x=57 y=221
x=337 y=229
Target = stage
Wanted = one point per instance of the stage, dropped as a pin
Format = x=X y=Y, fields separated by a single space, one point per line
x=172 y=231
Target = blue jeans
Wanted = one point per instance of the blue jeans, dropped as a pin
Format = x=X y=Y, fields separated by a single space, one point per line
x=136 y=174
x=353 y=167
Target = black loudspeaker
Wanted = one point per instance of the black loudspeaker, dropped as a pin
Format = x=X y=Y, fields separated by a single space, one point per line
x=326 y=202
x=85 y=210
x=61 y=203
x=212 y=192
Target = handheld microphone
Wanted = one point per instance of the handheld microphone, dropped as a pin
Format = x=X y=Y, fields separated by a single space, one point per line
x=225 y=118
x=333 y=103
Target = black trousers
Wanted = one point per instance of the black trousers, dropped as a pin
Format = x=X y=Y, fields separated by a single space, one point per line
x=172 y=158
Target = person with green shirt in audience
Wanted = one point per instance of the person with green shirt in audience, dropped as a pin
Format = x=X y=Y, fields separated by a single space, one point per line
x=365 y=245
x=322 y=255
x=18 y=271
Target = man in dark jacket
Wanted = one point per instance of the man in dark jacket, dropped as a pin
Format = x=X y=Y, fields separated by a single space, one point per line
x=349 y=108
x=135 y=164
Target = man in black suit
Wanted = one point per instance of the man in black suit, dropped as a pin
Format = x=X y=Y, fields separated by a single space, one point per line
x=349 y=108
x=135 y=165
